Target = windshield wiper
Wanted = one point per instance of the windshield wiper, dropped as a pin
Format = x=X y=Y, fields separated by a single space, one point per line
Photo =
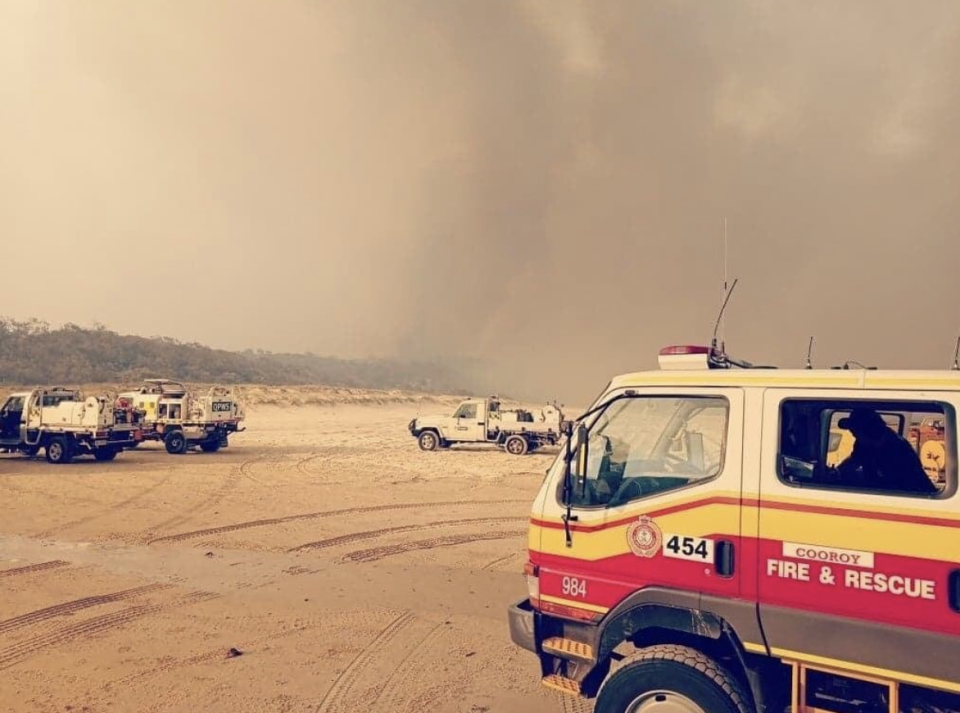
x=569 y=517
x=568 y=488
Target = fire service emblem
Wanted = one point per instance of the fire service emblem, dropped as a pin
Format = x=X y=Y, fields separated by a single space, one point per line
x=644 y=537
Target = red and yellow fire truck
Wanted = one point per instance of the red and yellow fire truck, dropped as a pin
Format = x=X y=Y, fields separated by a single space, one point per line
x=695 y=549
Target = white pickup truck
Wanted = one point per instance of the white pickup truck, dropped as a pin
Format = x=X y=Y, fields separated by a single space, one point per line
x=517 y=431
x=64 y=424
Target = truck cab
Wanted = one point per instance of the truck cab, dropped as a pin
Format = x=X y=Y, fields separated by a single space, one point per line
x=469 y=421
x=715 y=538
x=12 y=425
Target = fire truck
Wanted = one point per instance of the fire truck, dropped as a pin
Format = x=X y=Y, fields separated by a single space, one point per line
x=167 y=411
x=698 y=546
x=63 y=424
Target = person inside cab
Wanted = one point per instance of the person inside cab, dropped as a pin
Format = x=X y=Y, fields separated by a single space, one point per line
x=881 y=459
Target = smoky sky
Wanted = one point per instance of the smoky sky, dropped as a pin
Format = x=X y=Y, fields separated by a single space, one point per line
x=541 y=184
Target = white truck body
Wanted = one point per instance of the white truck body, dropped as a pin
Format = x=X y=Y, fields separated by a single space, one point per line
x=65 y=424
x=475 y=420
x=168 y=411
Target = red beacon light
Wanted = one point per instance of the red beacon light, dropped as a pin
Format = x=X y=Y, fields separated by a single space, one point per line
x=691 y=357
x=685 y=357
x=685 y=350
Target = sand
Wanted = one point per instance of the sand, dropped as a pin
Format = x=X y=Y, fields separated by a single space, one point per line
x=351 y=570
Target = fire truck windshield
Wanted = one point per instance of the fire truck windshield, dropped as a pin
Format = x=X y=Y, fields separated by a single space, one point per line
x=645 y=445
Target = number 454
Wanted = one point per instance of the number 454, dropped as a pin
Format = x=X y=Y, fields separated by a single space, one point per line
x=695 y=548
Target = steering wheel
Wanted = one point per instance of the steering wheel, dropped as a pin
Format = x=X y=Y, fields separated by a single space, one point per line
x=623 y=495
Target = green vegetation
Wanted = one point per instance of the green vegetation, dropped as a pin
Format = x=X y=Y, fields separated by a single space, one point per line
x=32 y=352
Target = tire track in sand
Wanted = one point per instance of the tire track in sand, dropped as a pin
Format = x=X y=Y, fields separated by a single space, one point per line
x=502 y=560
x=229 y=483
x=35 y=617
x=374 y=534
x=42 y=566
x=335 y=698
x=266 y=522
x=332 y=625
x=378 y=553
x=400 y=681
x=15 y=654
x=143 y=492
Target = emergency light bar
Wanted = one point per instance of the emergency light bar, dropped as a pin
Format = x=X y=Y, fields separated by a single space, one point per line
x=690 y=357
x=684 y=350
x=680 y=358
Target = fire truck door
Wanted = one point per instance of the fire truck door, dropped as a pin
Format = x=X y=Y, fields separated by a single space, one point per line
x=855 y=568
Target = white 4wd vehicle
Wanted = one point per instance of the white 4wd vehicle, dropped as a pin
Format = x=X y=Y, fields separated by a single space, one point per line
x=64 y=424
x=482 y=421
x=169 y=412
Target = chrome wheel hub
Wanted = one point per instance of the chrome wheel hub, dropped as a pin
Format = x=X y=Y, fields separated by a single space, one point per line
x=663 y=702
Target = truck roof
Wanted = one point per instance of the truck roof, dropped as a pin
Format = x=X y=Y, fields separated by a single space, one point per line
x=710 y=366
x=795 y=378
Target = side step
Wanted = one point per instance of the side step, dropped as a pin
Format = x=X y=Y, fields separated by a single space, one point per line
x=559 y=683
x=568 y=649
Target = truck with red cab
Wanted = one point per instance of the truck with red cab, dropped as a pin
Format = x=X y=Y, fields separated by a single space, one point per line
x=692 y=550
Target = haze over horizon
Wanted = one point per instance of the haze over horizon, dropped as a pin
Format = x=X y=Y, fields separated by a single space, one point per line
x=538 y=183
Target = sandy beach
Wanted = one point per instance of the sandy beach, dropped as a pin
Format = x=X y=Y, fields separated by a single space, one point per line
x=349 y=570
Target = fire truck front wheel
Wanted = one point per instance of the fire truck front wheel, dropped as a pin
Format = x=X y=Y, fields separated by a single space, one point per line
x=176 y=443
x=671 y=679
x=59 y=450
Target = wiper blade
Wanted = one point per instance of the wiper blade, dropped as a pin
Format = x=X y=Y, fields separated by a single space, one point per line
x=568 y=493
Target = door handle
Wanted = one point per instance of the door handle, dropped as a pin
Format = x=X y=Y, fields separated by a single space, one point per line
x=955 y=590
x=725 y=557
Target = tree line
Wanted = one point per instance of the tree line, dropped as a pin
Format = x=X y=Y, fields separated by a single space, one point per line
x=33 y=352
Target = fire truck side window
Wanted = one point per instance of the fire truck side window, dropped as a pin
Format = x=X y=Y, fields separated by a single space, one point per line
x=890 y=448
x=649 y=445
x=466 y=411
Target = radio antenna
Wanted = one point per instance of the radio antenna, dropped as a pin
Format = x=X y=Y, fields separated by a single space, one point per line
x=810 y=354
x=723 y=324
x=956 y=356
x=723 y=308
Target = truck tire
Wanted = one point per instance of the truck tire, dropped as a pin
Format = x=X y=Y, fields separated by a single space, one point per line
x=105 y=454
x=211 y=446
x=59 y=450
x=428 y=441
x=176 y=443
x=516 y=445
x=671 y=678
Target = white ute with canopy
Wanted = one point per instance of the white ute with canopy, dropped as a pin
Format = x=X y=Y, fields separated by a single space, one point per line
x=517 y=431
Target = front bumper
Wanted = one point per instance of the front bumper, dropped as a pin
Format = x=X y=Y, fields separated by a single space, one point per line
x=413 y=428
x=523 y=625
